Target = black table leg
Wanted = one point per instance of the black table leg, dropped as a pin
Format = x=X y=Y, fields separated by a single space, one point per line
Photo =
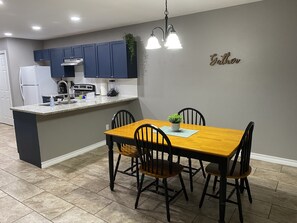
x=223 y=186
x=109 y=142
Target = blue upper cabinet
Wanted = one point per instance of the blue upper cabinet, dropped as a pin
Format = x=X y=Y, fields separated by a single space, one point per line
x=90 y=60
x=41 y=55
x=124 y=65
x=114 y=61
x=57 y=58
x=101 y=60
x=104 y=60
x=73 y=52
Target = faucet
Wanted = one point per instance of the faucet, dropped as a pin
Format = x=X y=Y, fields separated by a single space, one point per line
x=67 y=89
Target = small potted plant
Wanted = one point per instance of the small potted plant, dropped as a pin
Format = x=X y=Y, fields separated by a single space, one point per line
x=175 y=120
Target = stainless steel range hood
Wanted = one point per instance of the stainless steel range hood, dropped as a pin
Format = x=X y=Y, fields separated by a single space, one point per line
x=72 y=62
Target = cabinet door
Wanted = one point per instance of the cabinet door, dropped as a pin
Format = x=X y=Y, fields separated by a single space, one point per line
x=104 y=60
x=119 y=59
x=68 y=52
x=57 y=57
x=41 y=55
x=90 y=61
x=77 y=51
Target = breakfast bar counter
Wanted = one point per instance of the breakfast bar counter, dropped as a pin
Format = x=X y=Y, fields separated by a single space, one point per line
x=45 y=109
x=48 y=135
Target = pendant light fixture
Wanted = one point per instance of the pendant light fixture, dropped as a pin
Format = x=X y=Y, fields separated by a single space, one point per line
x=169 y=35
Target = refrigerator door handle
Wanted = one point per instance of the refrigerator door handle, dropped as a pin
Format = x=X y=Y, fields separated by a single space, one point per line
x=21 y=85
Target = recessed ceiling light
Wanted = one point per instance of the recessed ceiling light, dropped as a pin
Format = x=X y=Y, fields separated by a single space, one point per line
x=36 y=27
x=1 y=2
x=75 y=18
x=8 y=34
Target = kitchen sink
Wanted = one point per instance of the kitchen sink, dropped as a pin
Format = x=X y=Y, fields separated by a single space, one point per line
x=59 y=103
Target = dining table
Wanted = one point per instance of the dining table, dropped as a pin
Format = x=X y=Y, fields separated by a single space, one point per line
x=207 y=143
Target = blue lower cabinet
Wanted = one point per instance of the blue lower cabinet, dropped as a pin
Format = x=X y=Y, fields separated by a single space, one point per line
x=57 y=58
x=90 y=60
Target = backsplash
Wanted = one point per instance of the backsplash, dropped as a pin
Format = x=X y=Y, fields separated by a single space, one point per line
x=126 y=87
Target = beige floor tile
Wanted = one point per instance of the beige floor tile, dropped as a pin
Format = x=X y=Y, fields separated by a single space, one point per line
x=267 y=174
x=288 y=178
x=283 y=214
x=19 y=165
x=116 y=213
x=289 y=170
x=5 y=161
x=11 y=152
x=48 y=205
x=286 y=196
x=249 y=218
x=122 y=195
x=265 y=165
x=6 y=178
x=21 y=190
x=77 y=215
x=12 y=209
x=259 y=208
x=56 y=186
x=261 y=193
x=33 y=217
x=204 y=219
x=62 y=172
x=2 y=194
x=87 y=200
x=32 y=175
x=262 y=182
x=90 y=182
x=210 y=209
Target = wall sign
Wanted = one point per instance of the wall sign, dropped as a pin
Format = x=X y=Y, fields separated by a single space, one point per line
x=225 y=59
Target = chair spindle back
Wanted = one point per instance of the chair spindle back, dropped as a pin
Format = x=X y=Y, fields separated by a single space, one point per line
x=154 y=149
x=192 y=116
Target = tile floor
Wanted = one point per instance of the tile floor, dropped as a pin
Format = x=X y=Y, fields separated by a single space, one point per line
x=77 y=190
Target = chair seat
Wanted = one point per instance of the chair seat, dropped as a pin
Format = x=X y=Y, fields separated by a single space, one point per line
x=176 y=169
x=128 y=150
x=213 y=169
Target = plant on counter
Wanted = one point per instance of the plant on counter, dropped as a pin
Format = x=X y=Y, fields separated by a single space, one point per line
x=175 y=118
x=130 y=41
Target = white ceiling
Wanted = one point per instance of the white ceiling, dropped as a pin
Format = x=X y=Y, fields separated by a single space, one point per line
x=17 y=16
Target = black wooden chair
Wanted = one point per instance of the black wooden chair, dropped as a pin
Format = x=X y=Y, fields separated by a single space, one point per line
x=121 y=118
x=239 y=170
x=155 y=154
x=192 y=116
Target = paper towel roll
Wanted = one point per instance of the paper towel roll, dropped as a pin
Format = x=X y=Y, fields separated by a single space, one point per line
x=103 y=88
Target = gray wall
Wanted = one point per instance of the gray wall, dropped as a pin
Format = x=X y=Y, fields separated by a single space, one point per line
x=260 y=88
x=20 y=53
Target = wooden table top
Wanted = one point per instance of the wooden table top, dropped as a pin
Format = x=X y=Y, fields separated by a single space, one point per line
x=209 y=140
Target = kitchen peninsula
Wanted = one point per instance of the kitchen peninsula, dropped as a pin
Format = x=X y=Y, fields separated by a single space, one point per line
x=47 y=135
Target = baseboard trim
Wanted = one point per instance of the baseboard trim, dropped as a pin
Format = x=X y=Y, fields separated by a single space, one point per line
x=274 y=159
x=256 y=156
x=67 y=156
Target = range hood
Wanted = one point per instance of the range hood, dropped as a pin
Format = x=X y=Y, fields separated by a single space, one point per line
x=72 y=62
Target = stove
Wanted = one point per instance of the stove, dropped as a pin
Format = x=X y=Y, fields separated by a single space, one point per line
x=83 y=89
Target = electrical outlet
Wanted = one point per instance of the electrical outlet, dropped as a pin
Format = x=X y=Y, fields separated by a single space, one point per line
x=107 y=126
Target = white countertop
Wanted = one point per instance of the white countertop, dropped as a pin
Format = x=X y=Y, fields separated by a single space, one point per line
x=81 y=104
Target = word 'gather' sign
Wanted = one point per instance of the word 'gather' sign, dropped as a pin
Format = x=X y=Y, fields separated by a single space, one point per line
x=225 y=59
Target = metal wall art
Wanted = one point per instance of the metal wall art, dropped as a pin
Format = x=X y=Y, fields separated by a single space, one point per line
x=225 y=59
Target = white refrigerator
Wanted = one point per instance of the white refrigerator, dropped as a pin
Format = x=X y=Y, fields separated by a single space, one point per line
x=35 y=82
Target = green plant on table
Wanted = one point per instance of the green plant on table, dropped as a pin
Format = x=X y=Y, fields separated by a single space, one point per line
x=175 y=118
